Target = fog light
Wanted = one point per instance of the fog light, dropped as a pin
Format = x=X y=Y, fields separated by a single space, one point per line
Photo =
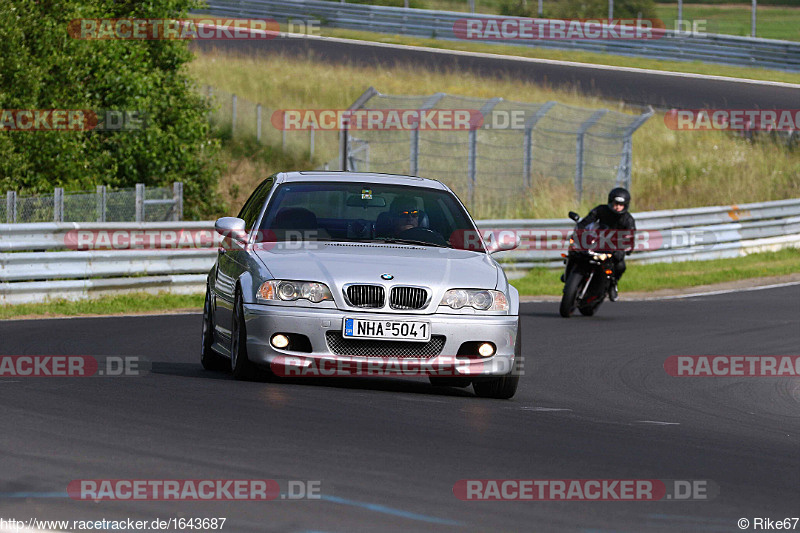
x=279 y=341
x=486 y=350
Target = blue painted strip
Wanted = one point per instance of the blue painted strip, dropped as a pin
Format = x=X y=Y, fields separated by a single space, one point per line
x=389 y=510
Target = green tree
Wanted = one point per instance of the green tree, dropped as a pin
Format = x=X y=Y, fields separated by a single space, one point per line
x=43 y=67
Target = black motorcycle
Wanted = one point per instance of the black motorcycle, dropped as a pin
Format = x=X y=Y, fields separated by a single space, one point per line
x=588 y=275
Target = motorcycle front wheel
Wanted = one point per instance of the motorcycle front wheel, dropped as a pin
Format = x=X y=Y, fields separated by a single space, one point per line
x=568 y=299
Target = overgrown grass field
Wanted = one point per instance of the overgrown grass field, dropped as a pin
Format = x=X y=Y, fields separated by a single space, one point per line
x=671 y=169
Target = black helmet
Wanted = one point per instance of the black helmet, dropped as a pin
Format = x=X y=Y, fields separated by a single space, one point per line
x=619 y=195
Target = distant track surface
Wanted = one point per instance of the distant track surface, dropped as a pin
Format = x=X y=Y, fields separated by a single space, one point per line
x=636 y=86
x=387 y=451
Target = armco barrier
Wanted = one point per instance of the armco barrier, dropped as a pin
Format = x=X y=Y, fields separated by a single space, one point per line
x=712 y=48
x=37 y=263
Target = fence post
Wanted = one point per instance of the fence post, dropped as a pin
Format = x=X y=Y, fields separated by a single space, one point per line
x=177 y=197
x=591 y=121
x=311 y=143
x=11 y=207
x=343 y=142
x=210 y=101
x=140 y=202
x=626 y=160
x=527 y=143
x=413 y=166
x=233 y=114
x=258 y=122
x=58 y=204
x=472 y=153
x=101 y=203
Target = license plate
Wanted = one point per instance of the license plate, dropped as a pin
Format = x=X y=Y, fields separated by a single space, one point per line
x=357 y=328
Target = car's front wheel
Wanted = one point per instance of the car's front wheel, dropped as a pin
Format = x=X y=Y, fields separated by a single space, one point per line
x=210 y=359
x=241 y=367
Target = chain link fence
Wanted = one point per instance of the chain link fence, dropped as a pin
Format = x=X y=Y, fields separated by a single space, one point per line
x=139 y=204
x=519 y=150
x=518 y=153
x=236 y=117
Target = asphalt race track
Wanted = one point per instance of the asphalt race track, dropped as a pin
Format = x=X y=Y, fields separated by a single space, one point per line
x=387 y=452
x=639 y=87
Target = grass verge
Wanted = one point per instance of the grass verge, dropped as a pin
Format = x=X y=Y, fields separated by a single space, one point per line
x=653 y=277
x=106 y=305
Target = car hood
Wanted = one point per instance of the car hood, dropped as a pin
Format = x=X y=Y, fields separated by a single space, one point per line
x=339 y=263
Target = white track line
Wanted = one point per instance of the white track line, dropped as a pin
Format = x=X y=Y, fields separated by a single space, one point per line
x=714 y=293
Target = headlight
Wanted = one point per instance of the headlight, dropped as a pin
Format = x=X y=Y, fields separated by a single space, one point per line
x=289 y=291
x=482 y=300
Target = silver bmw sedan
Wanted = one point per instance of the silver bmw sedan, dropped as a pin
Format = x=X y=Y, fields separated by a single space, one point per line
x=347 y=273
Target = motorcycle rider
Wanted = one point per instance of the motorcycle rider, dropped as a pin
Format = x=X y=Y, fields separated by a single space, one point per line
x=615 y=216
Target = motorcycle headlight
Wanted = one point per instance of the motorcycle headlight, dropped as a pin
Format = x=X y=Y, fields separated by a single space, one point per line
x=482 y=300
x=289 y=291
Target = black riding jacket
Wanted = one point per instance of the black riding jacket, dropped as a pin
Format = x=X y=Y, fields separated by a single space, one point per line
x=611 y=219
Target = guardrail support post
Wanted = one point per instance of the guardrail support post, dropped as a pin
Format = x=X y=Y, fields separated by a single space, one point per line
x=100 y=196
x=258 y=122
x=58 y=204
x=177 y=197
x=140 y=202
x=527 y=144
x=11 y=207
x=591 y=121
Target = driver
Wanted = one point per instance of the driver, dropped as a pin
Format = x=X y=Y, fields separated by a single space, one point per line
x=615 y=216
x=405 y=215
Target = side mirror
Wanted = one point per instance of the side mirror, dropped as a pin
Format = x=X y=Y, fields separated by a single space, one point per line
x=231 y=227
x=504 y=241
x=574 y=216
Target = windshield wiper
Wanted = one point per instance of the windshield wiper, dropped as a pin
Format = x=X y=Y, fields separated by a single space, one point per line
x=394 y=240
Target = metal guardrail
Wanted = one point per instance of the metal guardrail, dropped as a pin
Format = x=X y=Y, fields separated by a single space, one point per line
x=35 y=276
x=712 y=48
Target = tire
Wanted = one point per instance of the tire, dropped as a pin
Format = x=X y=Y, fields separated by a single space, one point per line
x=241 y=367
x=504 y=387
x=441 y=381
x=570 y=294
x=210 y=359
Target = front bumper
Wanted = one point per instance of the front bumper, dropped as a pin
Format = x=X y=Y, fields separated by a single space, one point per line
x=263 y=321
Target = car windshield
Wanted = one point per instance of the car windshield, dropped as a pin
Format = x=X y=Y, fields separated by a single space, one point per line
x=367 y=212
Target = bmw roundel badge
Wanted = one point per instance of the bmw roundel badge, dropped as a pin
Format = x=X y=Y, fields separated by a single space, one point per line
x=387 y=277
